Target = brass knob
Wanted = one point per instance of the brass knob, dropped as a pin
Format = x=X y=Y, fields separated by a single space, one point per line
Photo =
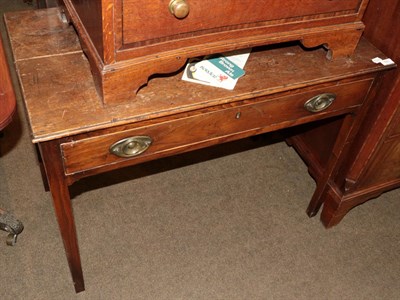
x=179 y=8
x=132 y=146
x=320 y=102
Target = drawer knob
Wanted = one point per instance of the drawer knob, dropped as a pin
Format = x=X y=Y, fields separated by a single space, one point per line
x=132 y=146
x=179 y=8
x=320 y=102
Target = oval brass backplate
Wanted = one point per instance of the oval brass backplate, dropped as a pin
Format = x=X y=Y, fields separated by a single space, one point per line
x=132 y=146
x=320 y=102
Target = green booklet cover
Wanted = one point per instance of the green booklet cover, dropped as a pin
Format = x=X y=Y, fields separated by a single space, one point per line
x=227 y=66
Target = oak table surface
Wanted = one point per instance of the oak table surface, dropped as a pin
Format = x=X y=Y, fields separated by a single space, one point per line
x=67 y=103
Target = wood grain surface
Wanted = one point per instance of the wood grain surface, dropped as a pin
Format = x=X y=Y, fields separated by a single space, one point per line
x=61 y=98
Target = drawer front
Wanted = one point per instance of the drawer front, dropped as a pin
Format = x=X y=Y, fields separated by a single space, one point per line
x=201 y=130
x=151 y=20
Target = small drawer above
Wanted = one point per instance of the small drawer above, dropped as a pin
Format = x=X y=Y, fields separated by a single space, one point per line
x=208 y=127
x=181 y=17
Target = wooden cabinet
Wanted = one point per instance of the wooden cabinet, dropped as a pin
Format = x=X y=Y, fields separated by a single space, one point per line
x=383 y=142
x=372 y=165
x=127 y=41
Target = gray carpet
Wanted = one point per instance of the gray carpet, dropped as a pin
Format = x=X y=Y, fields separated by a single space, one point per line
x=226 y=223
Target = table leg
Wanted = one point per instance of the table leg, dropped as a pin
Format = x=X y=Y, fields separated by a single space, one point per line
x=42 y=170
x=331 y=216
x=53 y=165
x=331 y=168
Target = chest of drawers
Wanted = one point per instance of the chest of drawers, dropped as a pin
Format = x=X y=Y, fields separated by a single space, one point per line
x=127 y=41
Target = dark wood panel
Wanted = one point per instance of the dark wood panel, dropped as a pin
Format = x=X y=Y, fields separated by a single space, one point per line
x=396 y=125
x=382 y=19
x=90 y=13
x=314 y=142
x=383 y=28
x=385 y=167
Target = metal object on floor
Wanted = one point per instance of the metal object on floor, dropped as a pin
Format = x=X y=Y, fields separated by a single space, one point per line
x=11 y=225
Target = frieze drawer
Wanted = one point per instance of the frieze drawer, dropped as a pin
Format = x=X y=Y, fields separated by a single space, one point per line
x=202 y=129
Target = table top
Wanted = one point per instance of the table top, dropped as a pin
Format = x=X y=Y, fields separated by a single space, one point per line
x=61 y=99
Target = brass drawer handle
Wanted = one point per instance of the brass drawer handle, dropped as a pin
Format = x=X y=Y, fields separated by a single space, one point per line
x=179 y=8
x=320 y=102
x=131 y=146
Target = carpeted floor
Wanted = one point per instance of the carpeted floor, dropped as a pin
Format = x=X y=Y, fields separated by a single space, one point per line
x=226 y=223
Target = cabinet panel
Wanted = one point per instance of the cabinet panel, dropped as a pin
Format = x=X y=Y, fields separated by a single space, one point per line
x=90 y=13
x=396 y=124
x=385 y=167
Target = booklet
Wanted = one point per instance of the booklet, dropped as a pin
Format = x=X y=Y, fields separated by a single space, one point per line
x=219 y=70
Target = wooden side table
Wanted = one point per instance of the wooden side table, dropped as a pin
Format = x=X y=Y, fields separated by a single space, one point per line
x=79 y=137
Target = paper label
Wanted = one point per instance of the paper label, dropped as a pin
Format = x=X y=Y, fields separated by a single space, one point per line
x=222 y=70
x=385 y=62
x=227 y=66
